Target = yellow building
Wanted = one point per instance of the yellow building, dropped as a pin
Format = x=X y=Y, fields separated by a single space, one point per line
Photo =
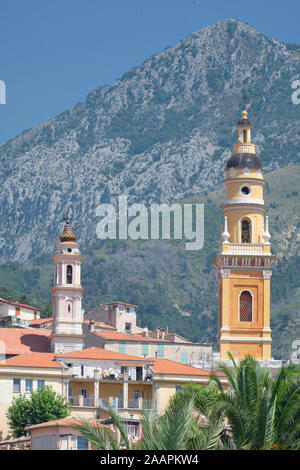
x=92 y=379
x=244 y=261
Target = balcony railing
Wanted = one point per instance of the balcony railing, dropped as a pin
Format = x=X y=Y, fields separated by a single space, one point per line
x=81 y=400
x=245 y=249
x=133 y=404
x=106 y=403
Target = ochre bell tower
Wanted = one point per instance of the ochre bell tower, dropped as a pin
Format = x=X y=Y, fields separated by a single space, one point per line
x=244 y=261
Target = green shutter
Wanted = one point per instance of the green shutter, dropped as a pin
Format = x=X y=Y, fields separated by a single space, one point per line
x=160 y=350
x=144 y=348
x=122 y=347
x=184 y=358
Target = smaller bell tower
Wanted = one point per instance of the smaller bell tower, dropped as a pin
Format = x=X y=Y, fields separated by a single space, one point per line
x=67 y=291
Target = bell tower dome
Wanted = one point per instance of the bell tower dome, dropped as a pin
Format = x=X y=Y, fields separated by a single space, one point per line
x=244 y=261
x=67 y=291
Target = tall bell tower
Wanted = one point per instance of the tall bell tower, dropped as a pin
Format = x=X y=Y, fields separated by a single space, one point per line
x=67 y=332
x=244 y=260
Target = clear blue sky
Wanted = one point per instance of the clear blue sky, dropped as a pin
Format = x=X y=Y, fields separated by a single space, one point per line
x=53 y=53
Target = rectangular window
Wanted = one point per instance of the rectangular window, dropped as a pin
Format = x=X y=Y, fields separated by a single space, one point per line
x=82 y=443
x=121 y=308
x=49 y=442
x=184 y=358
x=132 y=310
x=73 y=442
x=64 y=442
x=28 y=385
x=178 y=388
x=160 y=350
x=145 y=348
x=16 y=385
x=122 y=347
x=37 y=443
x=40 y=384
x=128 y=327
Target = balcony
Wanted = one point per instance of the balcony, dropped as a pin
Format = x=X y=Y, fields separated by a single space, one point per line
x=92 y=374
x=81 y=400
x=251 y=249
x=117 y=404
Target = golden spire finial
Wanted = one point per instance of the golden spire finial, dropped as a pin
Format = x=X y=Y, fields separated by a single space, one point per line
x=67 y=235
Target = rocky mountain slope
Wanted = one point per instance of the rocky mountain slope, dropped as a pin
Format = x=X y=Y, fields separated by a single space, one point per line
x=161 y=133
x=176 y=288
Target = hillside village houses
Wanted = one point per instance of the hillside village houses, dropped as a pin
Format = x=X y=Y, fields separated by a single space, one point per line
x=94 y=360
x=103 y=357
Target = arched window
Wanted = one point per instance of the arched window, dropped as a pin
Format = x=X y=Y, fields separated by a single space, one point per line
x=245 y=229
x=245 y=306
x=69 y=274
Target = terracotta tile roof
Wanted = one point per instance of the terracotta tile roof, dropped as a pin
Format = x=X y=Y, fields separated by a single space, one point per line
x=115 y=335
x=32 y=359
x=21 y=340
x=18 y=304
x=69 y=421
x=99 y=353
x=57 y=422
x=40 y=321
x=166 y=366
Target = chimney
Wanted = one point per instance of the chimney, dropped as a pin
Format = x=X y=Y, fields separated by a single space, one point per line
x=92 y=324
x=162 y=333
x=146 y=331
x=158 y=332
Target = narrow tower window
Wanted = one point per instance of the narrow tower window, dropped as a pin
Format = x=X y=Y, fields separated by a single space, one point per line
x=244 y=136
x=245 y=231
x=245 y=306
x=69 y=274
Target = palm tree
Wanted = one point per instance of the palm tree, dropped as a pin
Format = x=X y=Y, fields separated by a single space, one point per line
x=263 y=413
x=177 y=429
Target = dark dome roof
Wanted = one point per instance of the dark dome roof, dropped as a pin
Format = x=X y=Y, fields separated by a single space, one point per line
x=244 y=122
x=244 y=160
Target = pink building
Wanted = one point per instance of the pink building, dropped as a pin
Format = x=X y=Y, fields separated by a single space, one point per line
x=61 y=434
x=57 y=435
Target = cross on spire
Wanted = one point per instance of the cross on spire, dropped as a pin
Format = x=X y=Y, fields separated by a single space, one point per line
x=66 y=217
x=244 y=98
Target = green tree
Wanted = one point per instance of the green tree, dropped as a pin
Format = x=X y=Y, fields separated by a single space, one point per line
x=263 y=413
x=41 y=406
x=204 y=397
x=17 y=415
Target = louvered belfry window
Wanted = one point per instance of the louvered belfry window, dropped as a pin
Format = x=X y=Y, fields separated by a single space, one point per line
x=245 y=306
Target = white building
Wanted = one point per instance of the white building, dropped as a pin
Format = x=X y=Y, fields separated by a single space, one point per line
x=18 y=313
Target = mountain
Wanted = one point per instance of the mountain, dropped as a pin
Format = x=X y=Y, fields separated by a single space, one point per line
x=161 y=133
x=176 y=288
